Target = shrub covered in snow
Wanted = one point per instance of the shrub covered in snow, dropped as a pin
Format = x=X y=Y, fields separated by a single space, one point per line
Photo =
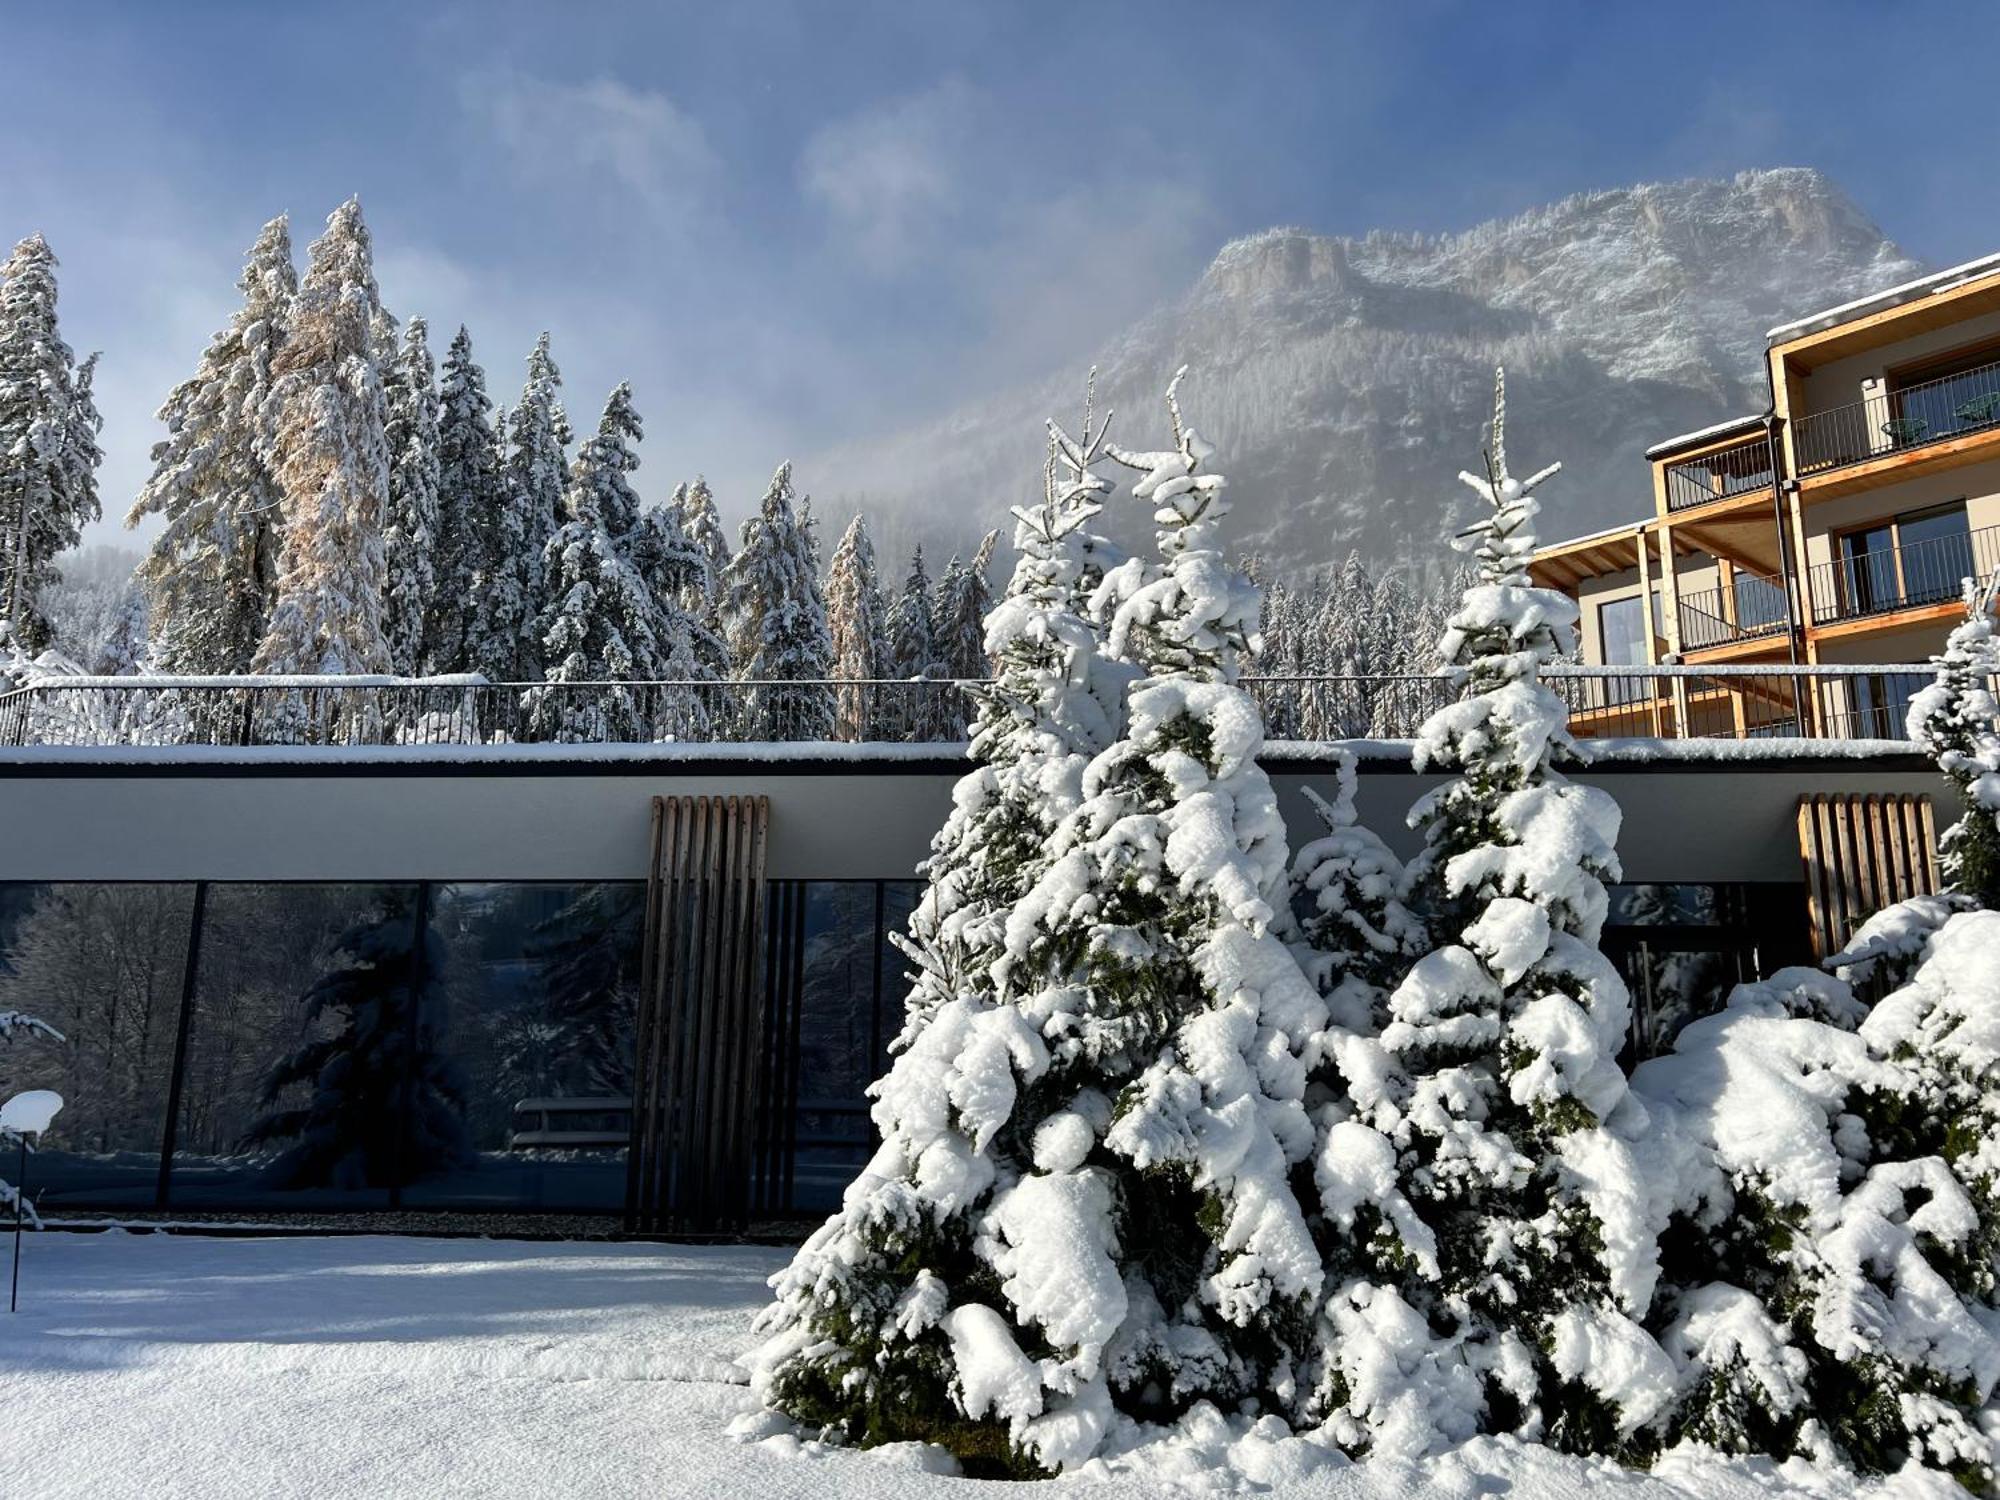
x=15 y=1023
x=1834 y=1227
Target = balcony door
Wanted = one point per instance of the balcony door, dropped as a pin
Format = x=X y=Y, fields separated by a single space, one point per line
x=1902 y=563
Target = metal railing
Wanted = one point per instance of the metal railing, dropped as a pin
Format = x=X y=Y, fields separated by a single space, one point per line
x=1752 y=607
x=1720 y=476
x=1912 y=416
x=1747 y=702
x=1887 y=579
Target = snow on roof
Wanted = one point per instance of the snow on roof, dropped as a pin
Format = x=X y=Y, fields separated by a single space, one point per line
x=1703 y=434
x=1909 y=291
x=1593 y=536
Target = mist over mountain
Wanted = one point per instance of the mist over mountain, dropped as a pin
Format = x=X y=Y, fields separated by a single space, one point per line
x=1346 y=380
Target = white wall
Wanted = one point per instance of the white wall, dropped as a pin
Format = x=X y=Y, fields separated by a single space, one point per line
x=1710 y=822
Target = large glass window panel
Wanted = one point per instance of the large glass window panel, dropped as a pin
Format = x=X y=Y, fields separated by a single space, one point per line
x=304 y=1057
x=536 y=1004
x=103 y=965
x=1937 y=555
x=1882 y=704
x=1868 y=570
x=840 y=1038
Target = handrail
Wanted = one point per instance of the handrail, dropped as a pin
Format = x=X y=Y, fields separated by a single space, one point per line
x=1904 y=576
x=1742 y=469
x=1911 y=416
x=1740 y=701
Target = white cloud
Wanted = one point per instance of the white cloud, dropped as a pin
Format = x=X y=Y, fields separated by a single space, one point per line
x=637 y=137
x=890 y=178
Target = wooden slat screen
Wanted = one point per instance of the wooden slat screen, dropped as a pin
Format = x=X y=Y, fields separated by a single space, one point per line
x=701 y=1002
x=1862 y=852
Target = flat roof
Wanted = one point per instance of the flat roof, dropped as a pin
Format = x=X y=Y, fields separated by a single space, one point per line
x=1909 y=291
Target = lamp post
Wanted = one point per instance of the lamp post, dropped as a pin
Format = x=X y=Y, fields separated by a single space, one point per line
x=26 y=1114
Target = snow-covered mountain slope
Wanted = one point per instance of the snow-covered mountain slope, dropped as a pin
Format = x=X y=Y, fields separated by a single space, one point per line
x=1346 y=381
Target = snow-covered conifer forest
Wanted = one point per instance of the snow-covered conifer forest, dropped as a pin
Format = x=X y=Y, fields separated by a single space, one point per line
x=1188 y=1133
x=335 y=497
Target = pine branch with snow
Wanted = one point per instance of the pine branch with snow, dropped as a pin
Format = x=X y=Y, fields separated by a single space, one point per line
x=511 y=585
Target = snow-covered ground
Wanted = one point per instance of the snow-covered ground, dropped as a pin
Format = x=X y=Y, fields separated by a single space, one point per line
x=170 y=1366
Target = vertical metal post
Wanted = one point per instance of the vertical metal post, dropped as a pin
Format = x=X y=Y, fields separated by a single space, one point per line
x=20 y=1208
x=170 y=1133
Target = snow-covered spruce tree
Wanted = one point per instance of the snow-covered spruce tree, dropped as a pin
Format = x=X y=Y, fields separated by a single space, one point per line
x=212 y=573
x=48 y=442
x=1493 y=1250
x=854 y=618
x=512 y=588
x=963 y=600
x=776 y=618
x=326 y=448
x=598 y=626
x=898 y=1317
x=468 y=507
x=410 y=539
x=914 y=713
x=14 y=1025
x=379 y=1101
x=695 y=509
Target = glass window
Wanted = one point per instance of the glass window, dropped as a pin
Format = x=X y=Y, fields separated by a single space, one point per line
x=1937 y=555
x=299 y=1045
x=1882 y=704
x=1622 y=624
x=535 y=1008
x=103 y=965
x=1868 y=569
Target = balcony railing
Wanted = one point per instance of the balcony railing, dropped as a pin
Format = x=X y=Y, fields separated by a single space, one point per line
x=1910 y=576
x=1913 y=416
x=1741 y=470
x=1750 y=702
x=1751 y=608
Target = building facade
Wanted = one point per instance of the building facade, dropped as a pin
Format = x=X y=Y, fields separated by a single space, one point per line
x=1831 y=531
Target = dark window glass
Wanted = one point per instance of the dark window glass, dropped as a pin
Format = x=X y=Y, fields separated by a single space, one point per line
x=1882 y=704
x=840 y=1036
x=1682 y=947
x=1868 y=569
x=300 y=1065
x=1937 y=555
x=536 y=1005
x=103 y=965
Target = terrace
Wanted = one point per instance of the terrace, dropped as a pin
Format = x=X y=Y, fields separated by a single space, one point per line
x=1735 y=702
x=1953 y=409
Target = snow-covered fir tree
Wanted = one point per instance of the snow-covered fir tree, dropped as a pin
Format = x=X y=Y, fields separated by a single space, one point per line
x=15 y=1026
x=1083 y=1205
x=911 y=655
x=468 y=506
x=410 y=540
x=515 y=589
x=211 y=574
x=1493 y=1254
x=671 y=566
x=326 y=448
x=963 y=599
x=702 y=526
x=48 y=442
x=776 y=619
x=600 y=620
x=856 y=626
x=373 y=1097
x=877 y=1311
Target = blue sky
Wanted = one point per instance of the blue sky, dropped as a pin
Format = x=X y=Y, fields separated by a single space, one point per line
x=789 y=223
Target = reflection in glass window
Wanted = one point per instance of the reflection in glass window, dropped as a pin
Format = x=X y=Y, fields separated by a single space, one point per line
x=1681 y=949
x=537 y=1003
x=103 y=965
x=295 y=1051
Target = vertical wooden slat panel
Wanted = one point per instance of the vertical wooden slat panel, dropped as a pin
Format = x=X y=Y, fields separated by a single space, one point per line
x=1861 y=852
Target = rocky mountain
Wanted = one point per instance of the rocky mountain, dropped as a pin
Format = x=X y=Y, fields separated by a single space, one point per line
x=1347 y=380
